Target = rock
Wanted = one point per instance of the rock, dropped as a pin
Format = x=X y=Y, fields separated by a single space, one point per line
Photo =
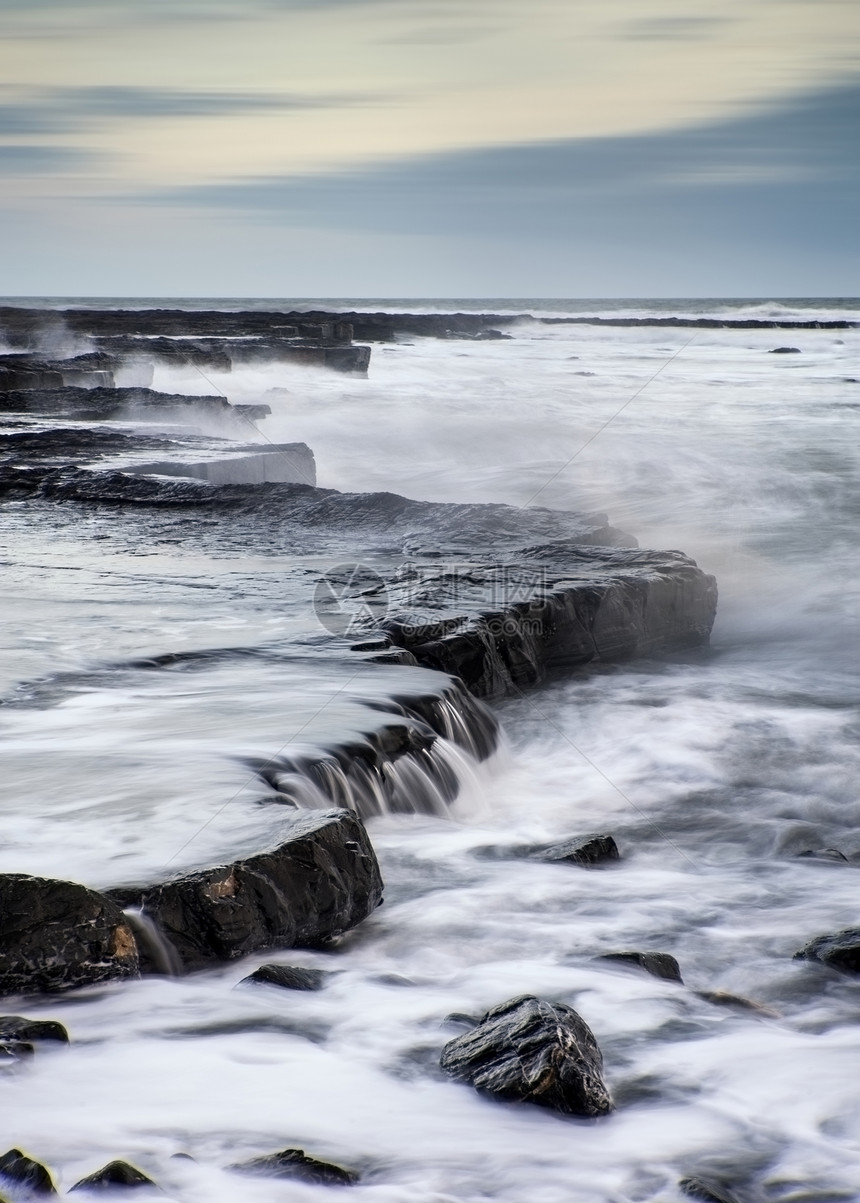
x=708 y=1189
x=15 y=1050
x=720 y=998
x=529 y=1050
x=284 y=463
x=841 y=950
x=57 y=934
x=289 y=977
x=17 y=1167
x=583 y=850
x=658 y=964
x=295 y=1163
x=114 y=1174
x=323 y=880
x=829 y=854
x=15 y=1027
x=785 y=351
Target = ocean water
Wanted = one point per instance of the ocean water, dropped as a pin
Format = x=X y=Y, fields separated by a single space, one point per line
x=713 y=770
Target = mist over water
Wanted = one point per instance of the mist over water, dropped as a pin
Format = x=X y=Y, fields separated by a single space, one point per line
x=712 y=769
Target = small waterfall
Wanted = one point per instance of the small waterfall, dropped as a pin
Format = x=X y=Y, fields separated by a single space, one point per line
x=157 y=955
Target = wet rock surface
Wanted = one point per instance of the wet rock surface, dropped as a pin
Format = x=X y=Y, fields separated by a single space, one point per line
x=288 y=977
x=16 y=1027
x=16 y=1167
x=57 y=935
x=298 y=1165
x=709 y=1190
x=529 y=1050
x=585 y=850
x=115 y=1175
x=840 y=950
x=321 y=881
x=658 y=964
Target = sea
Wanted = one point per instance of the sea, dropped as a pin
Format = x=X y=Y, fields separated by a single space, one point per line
x=718 y=771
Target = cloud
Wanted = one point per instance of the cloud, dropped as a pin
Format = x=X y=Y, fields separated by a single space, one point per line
x=672 y=29
x=802 y=155
x=42 y=160
x=63 y=110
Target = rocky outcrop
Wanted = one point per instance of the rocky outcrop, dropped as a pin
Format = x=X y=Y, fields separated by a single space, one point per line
x=529 y=1050
x=282 y=463
x=57 y=934
x=29 y=1175
x=116 y=1174
x=319 y=882
x=582 y=605
x=841 y=950
x=297 y=1165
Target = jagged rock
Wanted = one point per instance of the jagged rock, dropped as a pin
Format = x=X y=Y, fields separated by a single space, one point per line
x=529 y=1050
x=289 y=977
x=583 y=850
x=295 y=1163
x=114 y=1174
x=658 y=964
x=15 y=1027
x=57 y=934
x=841 y=950
x=34 y=1177
x=707 y=1189
x=320 y=882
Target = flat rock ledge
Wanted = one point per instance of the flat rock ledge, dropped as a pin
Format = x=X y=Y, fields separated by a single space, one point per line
x=532 y=1051
x=560 y=607
x=320 y=882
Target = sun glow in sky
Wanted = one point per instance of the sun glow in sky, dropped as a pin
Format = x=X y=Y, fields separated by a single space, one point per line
x=282 y=147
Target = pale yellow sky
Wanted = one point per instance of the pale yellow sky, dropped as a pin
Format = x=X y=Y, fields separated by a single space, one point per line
x=403 y=79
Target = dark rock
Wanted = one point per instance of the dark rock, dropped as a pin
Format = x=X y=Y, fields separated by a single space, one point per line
x=15 y=1027
x=289 y=977
x=830 y=854
x=57 y=934
x=841 y=950
x=114 y=1174
x=529 y=1050
x=581 y=850
x=710 y=1190
x=17 y=1167
x=15 y=1050
x=785 y=351
x=295 y=1163
x=658 y=964
x=323 y=880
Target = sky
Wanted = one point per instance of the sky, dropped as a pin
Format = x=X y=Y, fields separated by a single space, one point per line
x=430 y=148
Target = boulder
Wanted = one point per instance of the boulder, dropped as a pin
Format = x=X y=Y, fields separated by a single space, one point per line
x=785 y=351
x=841 y=950
x=114 y=1174
x=710 y=1190
x=585 y=850
x=530 y=1050
x=658 y=964
x=16 y=1167
x=288 y=977
x=317 y=884
x=58 y=934
x=15 y=1027
x=296 y=1164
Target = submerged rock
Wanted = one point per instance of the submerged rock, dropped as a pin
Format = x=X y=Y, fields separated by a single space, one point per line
x=841 y=950
x=58 y=934
x=320 y=882
x=721 y=998
x=583 y=850
x=658 y=964
x=295 y=1163
x=529 y=1050
x=825 y=854
x=288 y=977
x=114 y=1174
x=710 y=1190
x=34 y=1177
